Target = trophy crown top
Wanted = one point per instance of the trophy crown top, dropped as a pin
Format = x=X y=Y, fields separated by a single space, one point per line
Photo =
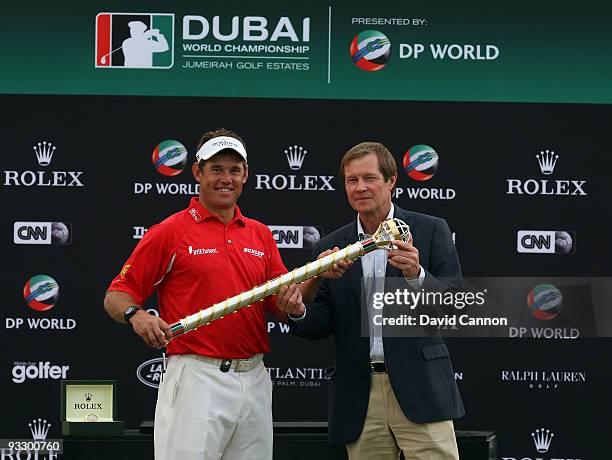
x=391 y=229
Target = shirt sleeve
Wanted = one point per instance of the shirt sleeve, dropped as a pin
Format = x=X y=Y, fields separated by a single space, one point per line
x=146 y=267
x=276 y=268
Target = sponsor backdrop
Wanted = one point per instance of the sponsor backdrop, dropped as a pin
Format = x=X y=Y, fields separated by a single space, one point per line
x=551 y=51
x=88 y=170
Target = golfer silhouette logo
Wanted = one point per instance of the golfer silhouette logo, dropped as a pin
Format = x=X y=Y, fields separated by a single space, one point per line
x=137 y=41
x=139 y=48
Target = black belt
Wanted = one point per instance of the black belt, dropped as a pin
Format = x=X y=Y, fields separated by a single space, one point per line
x=378 y=367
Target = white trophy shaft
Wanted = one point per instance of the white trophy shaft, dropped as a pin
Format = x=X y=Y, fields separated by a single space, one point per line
x=233 y=304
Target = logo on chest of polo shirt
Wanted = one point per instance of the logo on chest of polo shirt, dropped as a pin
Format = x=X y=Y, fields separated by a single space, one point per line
x=196 y=216
x=254 y=252
x=200 y=251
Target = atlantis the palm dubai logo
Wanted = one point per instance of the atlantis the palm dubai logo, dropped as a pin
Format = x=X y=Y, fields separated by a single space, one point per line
x=135 y=40
x=544 y=301
x=41 y=292
x=169 y=157
x=370 y=50
x=420 y=162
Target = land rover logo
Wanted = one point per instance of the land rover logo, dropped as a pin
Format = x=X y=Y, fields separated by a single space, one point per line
x=150 y=372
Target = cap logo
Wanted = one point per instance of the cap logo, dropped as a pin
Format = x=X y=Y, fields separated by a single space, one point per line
x=216 y=144
x=224 y=143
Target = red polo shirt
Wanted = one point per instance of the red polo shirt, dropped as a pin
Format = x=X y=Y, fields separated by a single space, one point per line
x=195 y=261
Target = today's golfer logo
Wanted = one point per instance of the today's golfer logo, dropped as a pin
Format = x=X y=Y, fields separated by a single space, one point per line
x=169 y=157
x=41 y=292
x=370 y=50
x=420 y=162
x=135 y=40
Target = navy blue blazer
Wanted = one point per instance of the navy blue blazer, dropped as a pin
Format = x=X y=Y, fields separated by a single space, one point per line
x=419 y=369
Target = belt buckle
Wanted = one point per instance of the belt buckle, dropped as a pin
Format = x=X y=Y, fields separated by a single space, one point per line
x=225 y=366
x=378 y=367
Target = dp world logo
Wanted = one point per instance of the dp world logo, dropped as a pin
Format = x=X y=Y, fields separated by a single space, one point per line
x=135 y=40
x=169 y=158
x=420 y=162
x=370 y=50
x=41 y=292
x=544 y=301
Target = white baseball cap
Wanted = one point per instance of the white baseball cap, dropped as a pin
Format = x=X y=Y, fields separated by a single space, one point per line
x=216 y=144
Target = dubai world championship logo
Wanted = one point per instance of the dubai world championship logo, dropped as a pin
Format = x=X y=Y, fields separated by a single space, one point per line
x=544 y=301
x=169 y=157
x=420 y=162
x=135 y=40
x=370 y=50
x=41 y=292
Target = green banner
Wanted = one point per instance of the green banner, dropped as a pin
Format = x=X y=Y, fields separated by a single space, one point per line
x=501 y=51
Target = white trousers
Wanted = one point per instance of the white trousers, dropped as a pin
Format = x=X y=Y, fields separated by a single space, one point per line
x=205 y=414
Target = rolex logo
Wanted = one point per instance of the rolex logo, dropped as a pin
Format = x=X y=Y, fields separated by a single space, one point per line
x=542 y=439
x=306 y=182
x=87 y=397
x=295 y=156
x=44 y=152
x=39 y=429
x=547 y=160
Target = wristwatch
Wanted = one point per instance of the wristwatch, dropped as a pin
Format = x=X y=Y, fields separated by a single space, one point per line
x=129 y=312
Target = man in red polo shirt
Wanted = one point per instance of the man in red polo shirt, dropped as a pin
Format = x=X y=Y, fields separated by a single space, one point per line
x=215 y=401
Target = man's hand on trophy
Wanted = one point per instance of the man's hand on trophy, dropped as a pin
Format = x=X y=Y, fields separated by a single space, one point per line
x=405 y=257
x=338 y=268
x=153 y=330
x=289 y=300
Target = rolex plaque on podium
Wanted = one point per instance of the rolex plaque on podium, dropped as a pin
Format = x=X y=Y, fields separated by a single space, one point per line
x=89 y=408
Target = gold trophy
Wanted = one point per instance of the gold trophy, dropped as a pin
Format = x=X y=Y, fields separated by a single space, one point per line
x=388 y=230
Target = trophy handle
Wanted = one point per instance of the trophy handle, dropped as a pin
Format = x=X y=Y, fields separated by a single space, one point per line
x=388 y=230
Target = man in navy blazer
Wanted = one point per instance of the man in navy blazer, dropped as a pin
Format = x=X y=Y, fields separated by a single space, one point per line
x=388 y=393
